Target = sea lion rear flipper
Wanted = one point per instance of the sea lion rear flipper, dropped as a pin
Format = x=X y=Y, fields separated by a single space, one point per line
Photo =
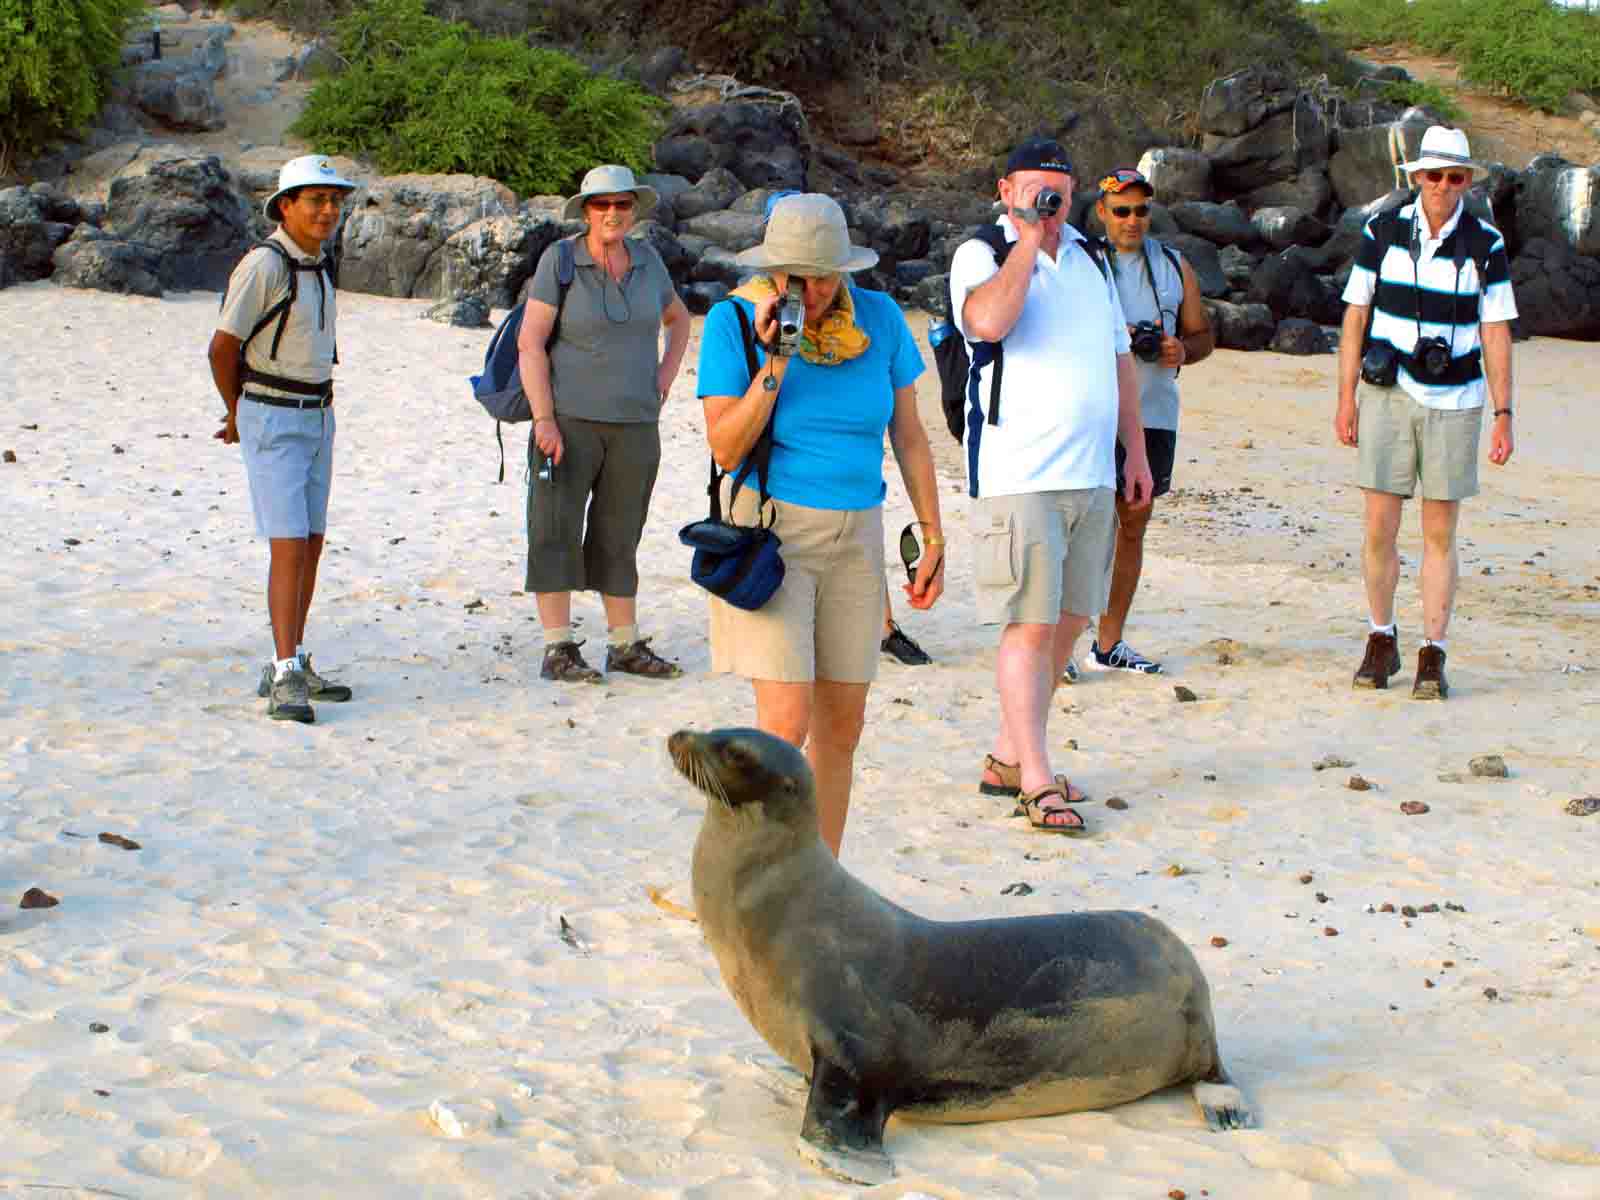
x=1222 y=1104
x=843 y=1129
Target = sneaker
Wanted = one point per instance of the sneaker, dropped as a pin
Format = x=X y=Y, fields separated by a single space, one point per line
x=639 y=659
x=316 y=686
x=288 y=699
x=563 y=662
x=1381 y=660
x=1070 y=673
x=898 y=645
x=1121 y=657
x=1430 y=683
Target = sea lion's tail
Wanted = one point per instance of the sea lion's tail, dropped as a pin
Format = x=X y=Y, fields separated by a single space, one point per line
x=1222 y=1104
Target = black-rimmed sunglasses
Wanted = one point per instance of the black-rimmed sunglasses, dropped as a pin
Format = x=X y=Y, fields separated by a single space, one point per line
x=910 y=551
x=1123 y=212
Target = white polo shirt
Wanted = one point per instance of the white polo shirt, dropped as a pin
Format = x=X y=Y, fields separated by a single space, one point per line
x=1058 y=391
x=305 y=352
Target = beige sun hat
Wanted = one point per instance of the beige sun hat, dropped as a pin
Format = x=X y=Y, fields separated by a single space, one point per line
x=1443 y=148
x=309 y=170
x=807 y=234
x=603 y=181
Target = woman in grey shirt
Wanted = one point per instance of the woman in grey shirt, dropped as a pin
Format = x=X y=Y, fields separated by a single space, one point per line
x=596 y=396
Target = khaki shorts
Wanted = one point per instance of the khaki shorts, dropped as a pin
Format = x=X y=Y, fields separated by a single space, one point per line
x=1043 y=554
x=1401 y=441
x=826 y=619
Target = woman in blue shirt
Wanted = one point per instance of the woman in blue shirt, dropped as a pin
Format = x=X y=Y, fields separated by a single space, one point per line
x=811 y=652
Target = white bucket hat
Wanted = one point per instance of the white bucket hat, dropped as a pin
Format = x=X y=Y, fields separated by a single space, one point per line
x=604 y=180
x=807 y=234
x=1443 y=148
x=309 y=170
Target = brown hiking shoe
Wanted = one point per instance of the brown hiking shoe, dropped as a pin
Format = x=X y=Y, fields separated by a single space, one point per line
x=1430 y=683
x=639 y=659
x=1381 y=661
x=562 y=662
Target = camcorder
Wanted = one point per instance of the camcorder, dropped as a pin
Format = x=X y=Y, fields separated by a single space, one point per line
x=1146 y=338
x=1046 y=204
x=791 y=319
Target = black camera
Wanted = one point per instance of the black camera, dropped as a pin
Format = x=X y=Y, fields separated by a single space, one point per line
x=791 y=319
x=1380 y=365
x=1047 y=203
x=1146 y=338
x=1430 y=359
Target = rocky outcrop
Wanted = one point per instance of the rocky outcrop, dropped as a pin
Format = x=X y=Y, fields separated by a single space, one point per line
x=1362 y=166
x=491 y=259
x=1241 y=326
x=391 y=241
x=186 y=209
x=33 y=222
x=94 y=259
x=1177 y=173
x=1557 y=290
x=1559 y=202
x=181 y=93
x=1287 y=285
x=761 y=144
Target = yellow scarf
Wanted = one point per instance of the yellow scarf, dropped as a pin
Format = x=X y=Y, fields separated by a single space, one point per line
x=834 y=339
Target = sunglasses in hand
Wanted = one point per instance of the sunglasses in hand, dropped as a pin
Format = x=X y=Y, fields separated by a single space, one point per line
x=911 y=551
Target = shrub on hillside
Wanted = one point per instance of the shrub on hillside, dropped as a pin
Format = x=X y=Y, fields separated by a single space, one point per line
x=422 y=94
x=56 y=58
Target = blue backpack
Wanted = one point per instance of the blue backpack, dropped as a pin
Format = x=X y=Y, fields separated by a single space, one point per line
x=499 y=388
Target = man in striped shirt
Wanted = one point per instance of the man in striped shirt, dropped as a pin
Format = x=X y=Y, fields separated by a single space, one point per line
x=1434 y=282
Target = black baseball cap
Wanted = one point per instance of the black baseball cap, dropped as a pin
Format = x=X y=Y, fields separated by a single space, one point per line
x=1039 y=154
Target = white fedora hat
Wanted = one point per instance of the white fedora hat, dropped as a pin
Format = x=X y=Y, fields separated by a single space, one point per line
x=603 y=181
x=309 y=170
x=807 y=234
x=1443 y=148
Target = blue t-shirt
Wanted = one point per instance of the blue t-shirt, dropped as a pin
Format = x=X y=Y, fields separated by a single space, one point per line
x=827 y=434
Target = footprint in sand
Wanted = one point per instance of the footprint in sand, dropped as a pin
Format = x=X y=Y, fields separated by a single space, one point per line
x=175 y=1158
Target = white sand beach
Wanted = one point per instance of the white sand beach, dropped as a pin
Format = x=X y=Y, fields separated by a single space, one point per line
x=327 y=929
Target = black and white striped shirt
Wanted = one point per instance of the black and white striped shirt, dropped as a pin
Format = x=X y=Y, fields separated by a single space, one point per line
x=1429 y=298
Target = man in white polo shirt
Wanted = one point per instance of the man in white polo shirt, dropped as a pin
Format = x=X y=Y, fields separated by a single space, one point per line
x=1436 y=284
x=1040 y=456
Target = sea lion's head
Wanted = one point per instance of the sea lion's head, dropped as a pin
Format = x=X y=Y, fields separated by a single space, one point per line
x=747 y=774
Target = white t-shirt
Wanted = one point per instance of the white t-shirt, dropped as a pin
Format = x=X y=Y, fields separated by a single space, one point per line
x=1058 y=392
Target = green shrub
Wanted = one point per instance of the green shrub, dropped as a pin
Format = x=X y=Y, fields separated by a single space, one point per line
x=1429 y=95
x=426 y=95
x=56 y=58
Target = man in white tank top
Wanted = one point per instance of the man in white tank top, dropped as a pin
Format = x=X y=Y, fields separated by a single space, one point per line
x=1169 y=328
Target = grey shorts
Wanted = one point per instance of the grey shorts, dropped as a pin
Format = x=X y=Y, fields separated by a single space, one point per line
x=826 y=618
x=584 y=524
x=1401 y=442
x=288 y=458
x=1043 y=554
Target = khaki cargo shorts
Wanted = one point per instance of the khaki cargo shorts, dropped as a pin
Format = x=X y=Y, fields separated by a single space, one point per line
x=1401 y=441
x=1042 y=554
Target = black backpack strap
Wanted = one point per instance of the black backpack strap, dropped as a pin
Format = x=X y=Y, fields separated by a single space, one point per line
x=760 y=455
x=566 y=270
x=992 y=353
x=279 y=312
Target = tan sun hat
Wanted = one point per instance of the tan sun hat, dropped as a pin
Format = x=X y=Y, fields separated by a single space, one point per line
x=603 y=181
x=1443 y=148
x=807 y=234
x=309 y=170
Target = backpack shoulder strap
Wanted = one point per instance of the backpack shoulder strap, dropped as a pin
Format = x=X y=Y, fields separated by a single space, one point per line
x=1172 y=256
x=566 y=271
x=760 y=455
x=994 y=237
x=1095 y=248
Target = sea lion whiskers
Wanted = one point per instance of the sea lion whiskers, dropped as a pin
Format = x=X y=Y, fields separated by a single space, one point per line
x=684 y=749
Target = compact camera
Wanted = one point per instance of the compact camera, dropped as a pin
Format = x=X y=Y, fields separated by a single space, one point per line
x=547 y=470
x=791 y=319
x=1146 y=338
x=1430 y=359
x=1380 y=365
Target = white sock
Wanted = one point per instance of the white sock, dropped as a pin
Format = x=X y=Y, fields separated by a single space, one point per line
x=283 y=666
x=1439 y=642
x=623 y=636
x=557 y=634
x=1376 y=628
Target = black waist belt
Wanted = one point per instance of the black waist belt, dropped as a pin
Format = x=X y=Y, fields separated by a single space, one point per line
x=291 y=401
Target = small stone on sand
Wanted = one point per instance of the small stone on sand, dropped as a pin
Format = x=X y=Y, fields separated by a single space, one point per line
x=1489 y=766
x=38 y=898
x=1413 y=808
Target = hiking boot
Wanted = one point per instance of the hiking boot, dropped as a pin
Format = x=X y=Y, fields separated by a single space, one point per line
x=1381 y=660
x=1430 y=683
x=316 y=686
x=562 y=662
x=1121 y=657
x=1070 y=673
x=639 y=659
x=288 y=699
x=899 y=646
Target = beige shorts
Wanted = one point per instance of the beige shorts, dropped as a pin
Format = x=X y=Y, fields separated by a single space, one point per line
x=1402 y=441
x=826 y=619
x=1043 y=554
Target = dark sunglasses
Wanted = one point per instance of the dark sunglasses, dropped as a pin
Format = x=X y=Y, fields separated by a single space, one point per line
x=910 y=551
x=1456 y=178
x=605 y=205
x=1123 y=212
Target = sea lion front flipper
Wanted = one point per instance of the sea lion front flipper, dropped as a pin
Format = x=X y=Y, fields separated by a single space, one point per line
x=1222 y=1104
x=843 y=1129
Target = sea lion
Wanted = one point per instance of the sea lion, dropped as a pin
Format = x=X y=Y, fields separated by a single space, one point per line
x=952 y=1021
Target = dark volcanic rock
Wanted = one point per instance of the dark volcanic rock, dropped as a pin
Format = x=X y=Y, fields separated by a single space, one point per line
x=1309 y=191
x=186 y=208
x=391 y=241
x=1219 y=224
x=1279 y=148
x=733 y=231
x=28 y=234
x=493 y=258
x=893 y=227
x=1242 y=101
x=1295 y=335
x=1177 y=173
x=1286 y=284
x=1206 y=261
x=1361 y=168
x=1241 y=326
x=1558 y=292
x=1560 y=203
x=762 y=144
x=92 y=259
x=1281 y=228
x=699 y=297
x=716 y=190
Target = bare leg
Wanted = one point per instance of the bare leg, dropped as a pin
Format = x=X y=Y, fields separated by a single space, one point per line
x=1023 y=677
x=1125 y=572
x=1440 y=569
x=1380 y=561
x=620 y=610
x=308 y=583
x=825 y=718
x=888 y=611
x=287 y=597
x=555 y=609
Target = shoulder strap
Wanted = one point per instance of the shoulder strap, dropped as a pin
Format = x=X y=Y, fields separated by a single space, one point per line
x=1095 y=248
x=566 y=271
x=1172 y=257
x=991 y=353
x=280 y=310
x=760 y=455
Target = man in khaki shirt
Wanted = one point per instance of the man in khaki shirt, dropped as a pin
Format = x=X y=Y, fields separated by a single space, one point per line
x=272 y=359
